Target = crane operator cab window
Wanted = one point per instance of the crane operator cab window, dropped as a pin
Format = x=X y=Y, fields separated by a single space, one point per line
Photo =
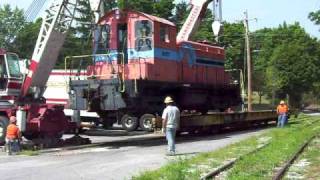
x=13 y=65
x=11 y=61
x=143 y=32
x=3 y=73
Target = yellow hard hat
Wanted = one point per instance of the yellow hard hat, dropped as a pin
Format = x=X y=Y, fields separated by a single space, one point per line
x=168 y=99
x=282 y=102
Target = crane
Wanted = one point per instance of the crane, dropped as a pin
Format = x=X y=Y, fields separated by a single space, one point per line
x=22 y=94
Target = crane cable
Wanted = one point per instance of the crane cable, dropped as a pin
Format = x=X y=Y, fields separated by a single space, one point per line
x=28 y=11
x=34 y=9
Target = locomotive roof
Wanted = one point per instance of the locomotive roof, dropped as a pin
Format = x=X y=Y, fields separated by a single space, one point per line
x=155 y=18
x=151 y=17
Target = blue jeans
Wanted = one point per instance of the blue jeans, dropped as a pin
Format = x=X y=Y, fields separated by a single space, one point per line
x=13 y=146
x=171 y=135
x=282 y=118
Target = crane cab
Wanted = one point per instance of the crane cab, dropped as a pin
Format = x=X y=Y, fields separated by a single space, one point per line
x=10 y=74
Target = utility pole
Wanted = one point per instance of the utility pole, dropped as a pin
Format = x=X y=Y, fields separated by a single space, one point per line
x=249 y=66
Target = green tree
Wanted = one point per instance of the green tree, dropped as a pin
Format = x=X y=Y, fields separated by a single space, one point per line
x=160 y=8
x=27 y=38
x=84 y=20
x=11 y=22
x=233 y=42
x=290 y=56
x=181 y=13
x=260 y=62
x=315 y=17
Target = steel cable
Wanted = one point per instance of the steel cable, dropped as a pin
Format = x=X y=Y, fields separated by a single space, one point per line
x=34 y=9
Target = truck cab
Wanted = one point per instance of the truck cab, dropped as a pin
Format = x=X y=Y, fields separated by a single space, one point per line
x=10 y=75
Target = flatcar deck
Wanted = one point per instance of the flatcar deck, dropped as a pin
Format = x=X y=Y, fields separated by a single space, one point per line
x=221 y=119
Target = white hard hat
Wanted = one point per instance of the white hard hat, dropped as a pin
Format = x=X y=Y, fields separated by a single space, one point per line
x=282 y=102
x=168 y=99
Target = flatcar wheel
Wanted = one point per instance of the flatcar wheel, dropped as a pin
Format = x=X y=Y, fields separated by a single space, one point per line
x=129 y=123
x=146 y=122
x=4 y=122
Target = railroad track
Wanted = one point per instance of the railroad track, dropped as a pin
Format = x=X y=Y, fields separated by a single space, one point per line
x=230 y=164
x=284 y=168
x=278 y=175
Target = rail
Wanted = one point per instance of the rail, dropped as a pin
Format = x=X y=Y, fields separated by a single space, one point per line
x=281 y=172
x=229 y=164
x=277 y=176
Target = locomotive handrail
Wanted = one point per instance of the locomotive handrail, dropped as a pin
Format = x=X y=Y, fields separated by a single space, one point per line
x=71 y=58
x=109 y=55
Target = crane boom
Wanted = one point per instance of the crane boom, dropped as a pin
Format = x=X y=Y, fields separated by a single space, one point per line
x=51 y=37
x=50 y=40
x=197 y=12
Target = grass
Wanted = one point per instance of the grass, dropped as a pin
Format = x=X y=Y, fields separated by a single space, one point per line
x=260 y=165
x=29 y=153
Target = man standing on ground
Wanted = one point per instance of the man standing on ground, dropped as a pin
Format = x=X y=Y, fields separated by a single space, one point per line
x=13 y=136
x=170 y=124
x=282 y=111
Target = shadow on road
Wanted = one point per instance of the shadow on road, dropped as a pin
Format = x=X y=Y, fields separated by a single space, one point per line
x=160 y=140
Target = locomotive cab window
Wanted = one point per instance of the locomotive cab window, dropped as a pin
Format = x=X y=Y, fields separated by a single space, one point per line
x=105 y=36
x=164 y=34
x=104 y=39
x=143 y=33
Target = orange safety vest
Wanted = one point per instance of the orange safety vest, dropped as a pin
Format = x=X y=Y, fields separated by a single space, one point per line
x=282 y=109
x=13 y=132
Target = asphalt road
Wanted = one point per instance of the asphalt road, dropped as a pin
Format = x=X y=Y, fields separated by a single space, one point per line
x=110 y=161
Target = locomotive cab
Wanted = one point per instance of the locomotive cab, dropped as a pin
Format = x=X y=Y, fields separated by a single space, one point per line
x=10 y=74
x=131 y=42
x=121 y=33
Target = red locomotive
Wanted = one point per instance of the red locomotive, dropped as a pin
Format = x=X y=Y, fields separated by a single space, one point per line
x=139 y=59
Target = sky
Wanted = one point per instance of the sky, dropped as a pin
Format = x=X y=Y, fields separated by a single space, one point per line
x=269 y=13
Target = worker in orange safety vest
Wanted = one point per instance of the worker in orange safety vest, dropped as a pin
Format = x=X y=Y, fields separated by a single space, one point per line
x=13 y=136
x=282 y=111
